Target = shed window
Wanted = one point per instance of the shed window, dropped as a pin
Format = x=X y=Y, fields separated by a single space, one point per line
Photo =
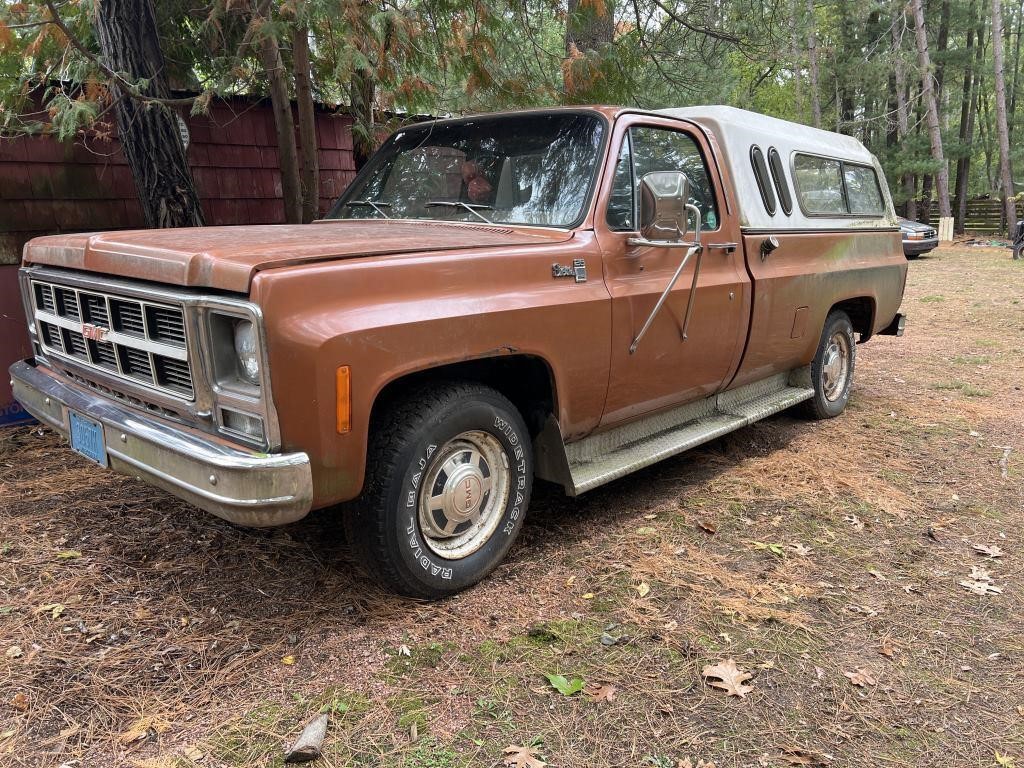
x=862 y=190
x=781 y=185
x=763 y=183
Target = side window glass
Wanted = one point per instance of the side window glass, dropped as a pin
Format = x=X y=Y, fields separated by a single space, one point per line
x=620 y=202
x=660 y=149
x=819 y=182
x=781 y=185
x=764 y=185
x=862 y=190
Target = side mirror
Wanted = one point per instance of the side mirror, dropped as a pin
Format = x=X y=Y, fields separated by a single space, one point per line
x=663 y=198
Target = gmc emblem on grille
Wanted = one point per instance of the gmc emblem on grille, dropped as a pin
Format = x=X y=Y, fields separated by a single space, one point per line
x=94 y=332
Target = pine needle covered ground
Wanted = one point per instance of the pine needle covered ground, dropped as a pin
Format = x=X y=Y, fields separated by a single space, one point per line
x=865 y=576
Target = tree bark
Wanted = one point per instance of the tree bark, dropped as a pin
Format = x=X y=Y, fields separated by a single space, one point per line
x=307 y=125
x=362 y=92
x=1011 y=117
x=902 y=112
x=963 y=163
x=812 y=64
x=589 y=25
x=931 y=109
x=149 y=132
x=284 y=125
x=1005 y=171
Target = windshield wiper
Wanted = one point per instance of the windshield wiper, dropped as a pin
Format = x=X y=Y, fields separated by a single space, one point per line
x=378 y=207
x=471 y=207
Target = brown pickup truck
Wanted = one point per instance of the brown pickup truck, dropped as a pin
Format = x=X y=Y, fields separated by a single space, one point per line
x=567 y=294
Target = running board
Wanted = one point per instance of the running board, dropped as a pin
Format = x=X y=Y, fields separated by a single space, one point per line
x=607 y=456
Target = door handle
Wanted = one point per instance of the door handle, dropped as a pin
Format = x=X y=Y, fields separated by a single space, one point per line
x=727 y=247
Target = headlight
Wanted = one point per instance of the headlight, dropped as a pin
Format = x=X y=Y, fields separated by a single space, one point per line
x=246 y=350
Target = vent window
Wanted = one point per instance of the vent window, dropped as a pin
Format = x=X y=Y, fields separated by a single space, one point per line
x=763 y=182
x=779 y=177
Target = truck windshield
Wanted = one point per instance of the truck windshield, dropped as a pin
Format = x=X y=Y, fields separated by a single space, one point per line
x=518 y=169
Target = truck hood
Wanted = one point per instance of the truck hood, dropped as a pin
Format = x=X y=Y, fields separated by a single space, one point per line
x=227 y=258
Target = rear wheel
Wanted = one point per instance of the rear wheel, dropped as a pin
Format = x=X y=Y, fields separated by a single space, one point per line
x=832 y=368
x=449 y=475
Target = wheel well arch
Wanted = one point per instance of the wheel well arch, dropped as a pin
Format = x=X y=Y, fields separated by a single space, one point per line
x=526 y=380
x=861 y=311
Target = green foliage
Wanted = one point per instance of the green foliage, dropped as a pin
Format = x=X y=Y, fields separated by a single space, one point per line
x=388 y=60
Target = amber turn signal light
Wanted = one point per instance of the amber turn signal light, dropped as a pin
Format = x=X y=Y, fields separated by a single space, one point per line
x=344 y=398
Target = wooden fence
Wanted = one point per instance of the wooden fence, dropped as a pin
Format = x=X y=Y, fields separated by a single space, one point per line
x=984 y=215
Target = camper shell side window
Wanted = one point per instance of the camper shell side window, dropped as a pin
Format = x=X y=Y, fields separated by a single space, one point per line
x=828 y=186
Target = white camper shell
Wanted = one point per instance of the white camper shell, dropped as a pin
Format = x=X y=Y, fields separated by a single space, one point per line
x=791 y=177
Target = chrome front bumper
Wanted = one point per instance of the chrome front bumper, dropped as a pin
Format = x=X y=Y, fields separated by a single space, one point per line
x=244 y=487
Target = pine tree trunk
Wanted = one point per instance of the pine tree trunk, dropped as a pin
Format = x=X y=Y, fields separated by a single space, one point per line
x=963 y=163
x=812 y=64
x=902 y=112
x=362 y=92
x=1011 y=117
x=284 y=125
x=1005 y=171
x=931 y=109
x=589 y=24
x=307 y=126
x=149 y=132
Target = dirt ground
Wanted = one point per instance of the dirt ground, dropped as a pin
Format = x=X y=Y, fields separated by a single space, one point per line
x=866 y=572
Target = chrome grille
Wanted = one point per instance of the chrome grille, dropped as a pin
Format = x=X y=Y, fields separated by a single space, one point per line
x=134 y=339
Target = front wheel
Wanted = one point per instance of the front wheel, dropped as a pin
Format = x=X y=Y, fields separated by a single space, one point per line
x=449 y=475
x=832 y=368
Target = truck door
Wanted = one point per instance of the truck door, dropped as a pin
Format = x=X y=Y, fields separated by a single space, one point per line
x=666 y=369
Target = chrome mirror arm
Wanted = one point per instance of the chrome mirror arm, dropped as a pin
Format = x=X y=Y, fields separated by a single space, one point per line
x=694 y=249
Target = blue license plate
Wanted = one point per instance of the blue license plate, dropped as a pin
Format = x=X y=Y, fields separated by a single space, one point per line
x=87 y=438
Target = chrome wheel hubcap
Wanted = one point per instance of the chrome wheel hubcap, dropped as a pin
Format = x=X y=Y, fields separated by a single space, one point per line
x=463 y=494
x=835 y=366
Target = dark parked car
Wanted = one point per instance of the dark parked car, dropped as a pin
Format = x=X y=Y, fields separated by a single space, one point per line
x=918 y=238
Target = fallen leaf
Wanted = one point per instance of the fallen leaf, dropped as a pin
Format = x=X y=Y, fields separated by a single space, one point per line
x=861 y=678
x=20 y=702
x=800 y=550
x=142 y=728
x=855 y=521
x=601 y=692
x=672 y=626
x=981 y=587
x=687 y=763
x=878 y=575
x=54 y=609
x=989 y=551
x=193 y=753
x=1008 y=761
x=14 y=652
x=646 y=530
x=886 y=648
x=288 y=660
x=707 y=526
x=980 y=574
x=404 y=650
x=571 y=580
x=68 y=554
x=588 y=596
x=730 y=677
x=564 y=686
x=523 y=757
x=798 y=756
x=643 y=589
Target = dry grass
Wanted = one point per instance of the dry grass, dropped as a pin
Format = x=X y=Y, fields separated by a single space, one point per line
x=150 y=634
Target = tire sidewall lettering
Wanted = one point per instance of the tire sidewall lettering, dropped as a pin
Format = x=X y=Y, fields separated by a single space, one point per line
x=414 y=549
